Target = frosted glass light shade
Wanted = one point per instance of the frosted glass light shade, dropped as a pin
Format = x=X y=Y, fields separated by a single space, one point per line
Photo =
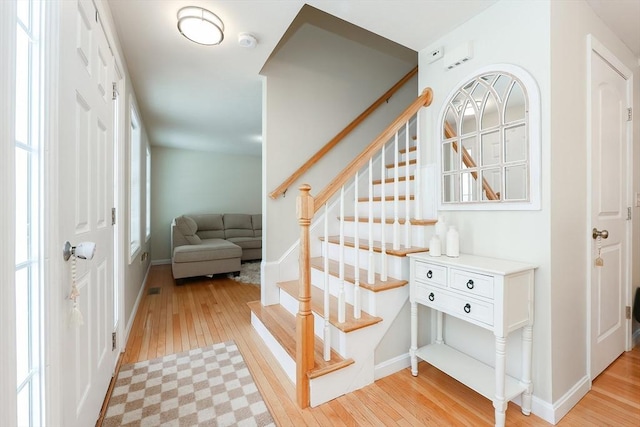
x=200 y=25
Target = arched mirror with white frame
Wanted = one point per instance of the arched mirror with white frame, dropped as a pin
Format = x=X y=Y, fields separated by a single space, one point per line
x=489 y=147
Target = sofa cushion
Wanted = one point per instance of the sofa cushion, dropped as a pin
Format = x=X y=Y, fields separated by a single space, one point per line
x=210 y=226
x=237 y=225
x=256 y=222
x=188 y=228
x=209 y=249
x=247 y=242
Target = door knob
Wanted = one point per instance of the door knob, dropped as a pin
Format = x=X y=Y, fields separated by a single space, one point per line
x=600 y=233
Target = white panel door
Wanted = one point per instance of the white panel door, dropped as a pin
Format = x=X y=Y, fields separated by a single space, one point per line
x=610 y=136
x=85 y=201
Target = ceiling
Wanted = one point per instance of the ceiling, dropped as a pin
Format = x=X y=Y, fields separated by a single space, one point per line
x=209 y=98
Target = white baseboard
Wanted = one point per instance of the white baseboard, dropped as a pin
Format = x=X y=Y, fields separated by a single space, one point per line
x=391 y=366
x=563 y=405
x=134 y=311
x=160 y=261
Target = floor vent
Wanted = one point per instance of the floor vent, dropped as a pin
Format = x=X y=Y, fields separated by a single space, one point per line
x=154 y=291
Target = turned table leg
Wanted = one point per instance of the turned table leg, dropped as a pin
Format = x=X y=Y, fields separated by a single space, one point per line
x=414 y=339
x=499 y=402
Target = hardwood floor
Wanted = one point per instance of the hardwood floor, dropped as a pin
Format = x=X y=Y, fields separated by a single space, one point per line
x=205 y=311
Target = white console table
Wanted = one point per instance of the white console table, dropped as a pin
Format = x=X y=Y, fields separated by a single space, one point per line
x=491 y=293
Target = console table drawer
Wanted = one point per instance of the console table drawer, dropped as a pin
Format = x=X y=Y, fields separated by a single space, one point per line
x=468 y=309
x=472 y=283
x=429 y=296
x=433 y=274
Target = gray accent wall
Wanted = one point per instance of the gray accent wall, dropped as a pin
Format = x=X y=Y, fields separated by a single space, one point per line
x=315 y=85
x=185 y=181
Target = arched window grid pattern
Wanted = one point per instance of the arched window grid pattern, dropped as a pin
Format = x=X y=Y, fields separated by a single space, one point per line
x=488 y=118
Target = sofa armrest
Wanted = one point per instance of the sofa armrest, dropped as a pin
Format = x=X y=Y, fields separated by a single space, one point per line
x=177 y=238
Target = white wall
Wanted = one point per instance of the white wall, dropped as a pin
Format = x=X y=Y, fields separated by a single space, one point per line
x=549 y=40
x=315 y=85
x=133 y=272
x=571 y=22
x=185 y=181
x=515 y=33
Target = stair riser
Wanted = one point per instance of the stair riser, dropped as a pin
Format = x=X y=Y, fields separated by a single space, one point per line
x=363 y=209
x=286 y=362
x=403 y=157
x=377 y=228
x=389 y=189
x=337 y=337
x=367 y=297
x=397 y=267
x=402 y=171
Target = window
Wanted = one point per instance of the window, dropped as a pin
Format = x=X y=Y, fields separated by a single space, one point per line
x=148 y=213
x=28 y=178
x=135 y=145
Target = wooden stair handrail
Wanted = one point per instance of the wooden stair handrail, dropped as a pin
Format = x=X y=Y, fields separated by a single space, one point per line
x=424 y=100
x=449 y=132
x=282 y=188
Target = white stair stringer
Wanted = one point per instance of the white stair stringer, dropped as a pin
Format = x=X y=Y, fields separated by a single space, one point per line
x=360 y=346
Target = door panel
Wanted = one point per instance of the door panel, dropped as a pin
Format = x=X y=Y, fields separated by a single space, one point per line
x=609 y=174
x=86 y=197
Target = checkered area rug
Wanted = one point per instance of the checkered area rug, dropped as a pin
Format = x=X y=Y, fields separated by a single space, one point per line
x=208 y=386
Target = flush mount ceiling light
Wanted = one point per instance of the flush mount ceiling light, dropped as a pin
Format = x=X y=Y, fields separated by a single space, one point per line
x=200 y=25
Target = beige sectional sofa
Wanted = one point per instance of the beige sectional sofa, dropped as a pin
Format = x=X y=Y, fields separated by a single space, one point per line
x=214 y=243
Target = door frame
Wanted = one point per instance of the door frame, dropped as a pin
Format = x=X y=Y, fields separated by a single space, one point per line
x=594 y=47
x=7 y=211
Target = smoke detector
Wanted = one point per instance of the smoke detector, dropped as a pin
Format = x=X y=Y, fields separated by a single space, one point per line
x=247 y=40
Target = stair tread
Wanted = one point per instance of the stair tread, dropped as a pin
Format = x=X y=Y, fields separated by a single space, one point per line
x=386 y=199
x=411 y=149
x=413 y=221
x=317 y=305
x=377 y=246
x=282 y=325
x=400 y=164
x=391 y=180
x=349 y=275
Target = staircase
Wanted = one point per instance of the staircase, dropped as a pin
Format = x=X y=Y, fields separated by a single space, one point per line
x=353 y=267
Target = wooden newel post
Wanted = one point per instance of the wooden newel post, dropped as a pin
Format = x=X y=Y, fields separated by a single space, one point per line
x=304 y=318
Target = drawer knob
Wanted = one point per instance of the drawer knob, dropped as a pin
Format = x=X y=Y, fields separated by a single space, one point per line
x=467 y=308
x=429 y=274
x=470 y=284
x=432 y=297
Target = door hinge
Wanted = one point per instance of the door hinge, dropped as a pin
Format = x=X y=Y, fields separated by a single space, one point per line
x=113 y=341
x=629 y=114
x=114 y=93
x=113 y=216
x=627 y=312
x=628 y=214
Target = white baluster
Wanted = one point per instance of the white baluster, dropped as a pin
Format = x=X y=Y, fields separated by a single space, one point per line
x=396 y=197
x=327 y=293
x=407 y=191
x=371 y=276
x=356 y=238
x=417 y=176
x=341 y=298
x=383 y=218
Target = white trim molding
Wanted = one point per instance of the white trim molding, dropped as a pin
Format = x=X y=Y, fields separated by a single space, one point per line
x=7 y=212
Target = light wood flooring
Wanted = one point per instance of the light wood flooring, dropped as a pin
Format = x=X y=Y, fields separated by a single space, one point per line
x=206 y=311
